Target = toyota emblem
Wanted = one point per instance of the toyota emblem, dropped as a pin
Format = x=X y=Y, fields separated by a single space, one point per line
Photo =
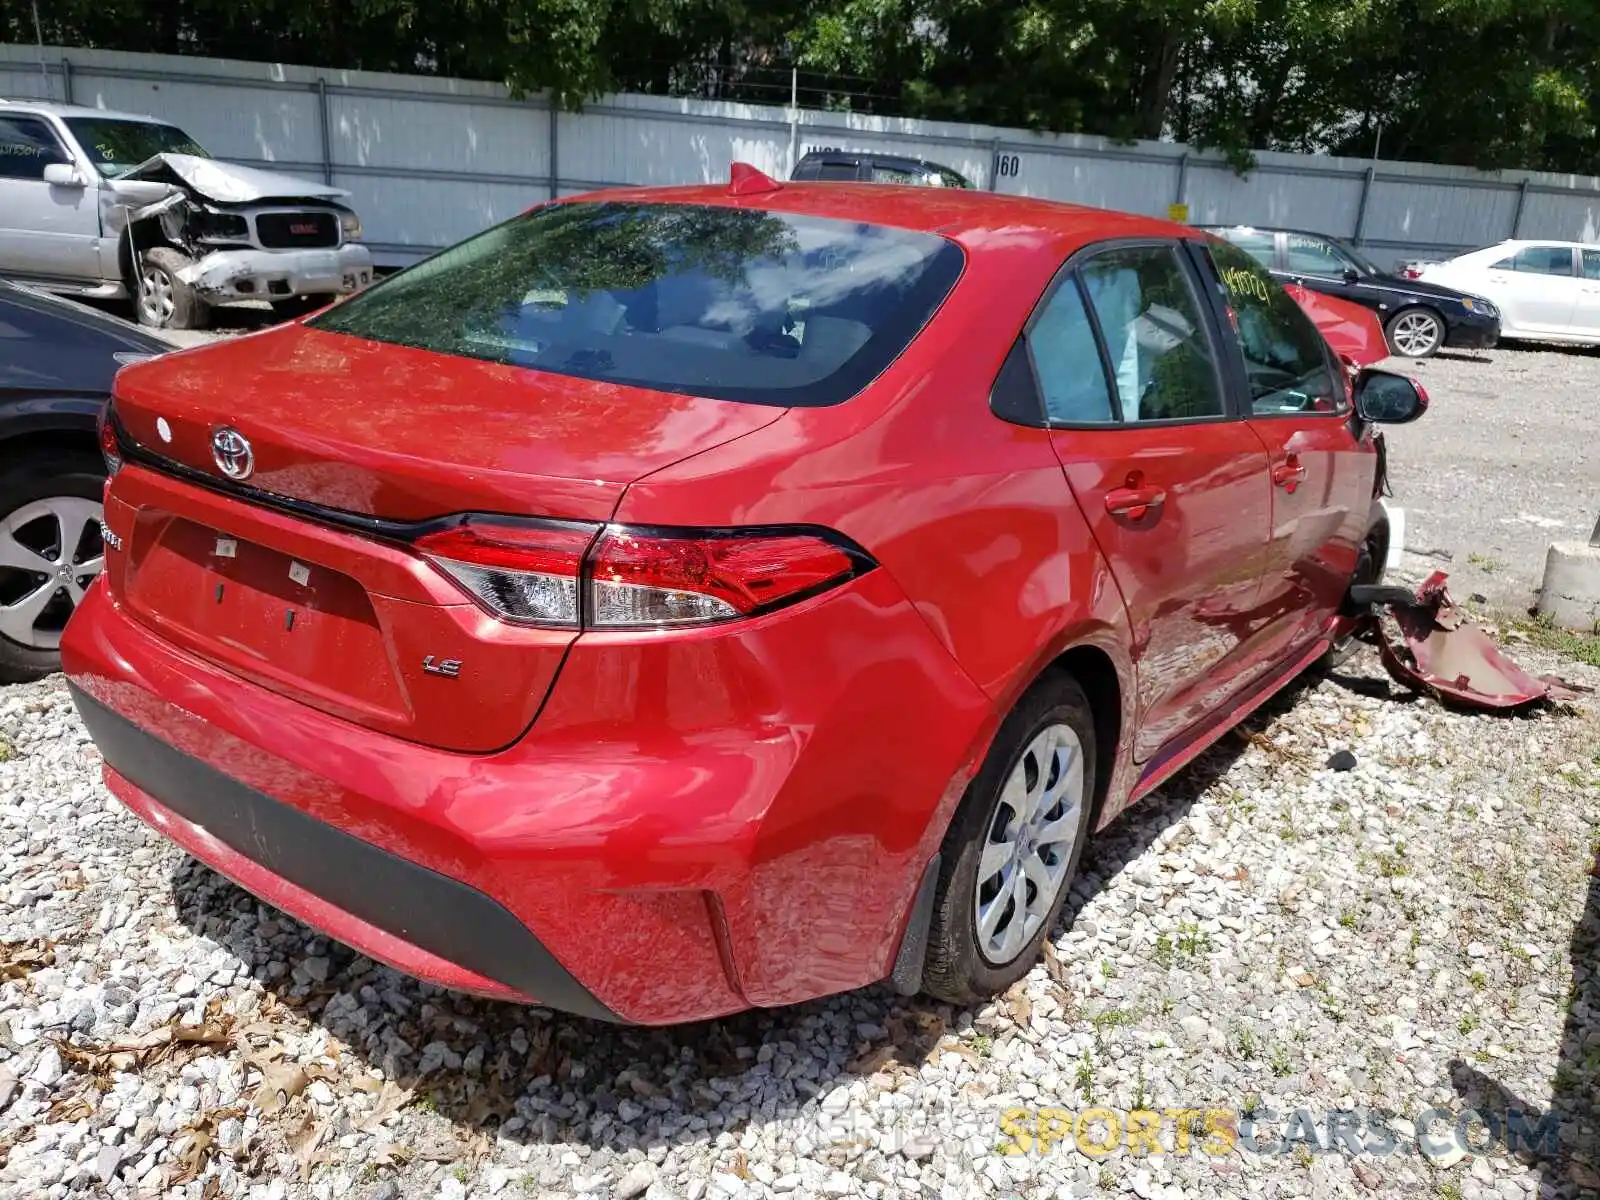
x=232 y=453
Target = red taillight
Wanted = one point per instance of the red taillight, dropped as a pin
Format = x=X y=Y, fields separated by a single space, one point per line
x=110 y=450
x=644 y=579
x=525 y=571
x=560 y=574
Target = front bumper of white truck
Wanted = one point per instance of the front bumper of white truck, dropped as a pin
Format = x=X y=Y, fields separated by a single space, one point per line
x=225 y=275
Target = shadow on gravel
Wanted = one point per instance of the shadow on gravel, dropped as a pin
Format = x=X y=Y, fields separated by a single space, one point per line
x=1566 y=1150
x=550 y=1078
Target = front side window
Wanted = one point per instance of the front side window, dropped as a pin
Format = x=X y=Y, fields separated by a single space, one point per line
x=1539 y=260
x=1155 y=337
x=883 y=174
x=1285 y=358
x=1316 y=256
x=27 y=147
x=115 y=146
x=730 y=303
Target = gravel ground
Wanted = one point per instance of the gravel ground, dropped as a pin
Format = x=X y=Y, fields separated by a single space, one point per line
x=1269 y=934
x=1503 y=463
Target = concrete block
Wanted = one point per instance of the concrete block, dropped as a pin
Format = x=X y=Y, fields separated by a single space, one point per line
x=1571 y=593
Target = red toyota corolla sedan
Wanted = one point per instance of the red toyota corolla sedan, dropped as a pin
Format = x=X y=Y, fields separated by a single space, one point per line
x=675 y=601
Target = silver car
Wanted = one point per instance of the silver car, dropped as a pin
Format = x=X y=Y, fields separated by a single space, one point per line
x=115 y=205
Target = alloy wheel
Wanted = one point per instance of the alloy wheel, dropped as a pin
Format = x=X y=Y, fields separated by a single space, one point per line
x=1031 y=838
x=1416 y=334
x=50 y=551
x=155 y=296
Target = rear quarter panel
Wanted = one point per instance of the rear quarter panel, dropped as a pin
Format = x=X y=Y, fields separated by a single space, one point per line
x=970 y=515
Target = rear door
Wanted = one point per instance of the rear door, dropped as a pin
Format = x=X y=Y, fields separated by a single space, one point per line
x=46 y=230
x=1321 y=467
x=1173 y=485
x=1587 y=318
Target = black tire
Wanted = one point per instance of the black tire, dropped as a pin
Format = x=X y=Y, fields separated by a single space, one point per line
x=1402 y=326
x=163 y=301
x=1369 y=570
x=42 y=476
x=956 y=969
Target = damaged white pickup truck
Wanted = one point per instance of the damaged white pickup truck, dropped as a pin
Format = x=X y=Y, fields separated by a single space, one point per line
x=113 y=205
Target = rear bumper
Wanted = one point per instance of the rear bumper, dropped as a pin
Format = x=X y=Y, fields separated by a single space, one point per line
x=414 y=919
x=280 y=274
x=695 y=825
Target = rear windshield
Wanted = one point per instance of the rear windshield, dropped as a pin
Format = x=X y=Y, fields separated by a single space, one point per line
x=731 y=303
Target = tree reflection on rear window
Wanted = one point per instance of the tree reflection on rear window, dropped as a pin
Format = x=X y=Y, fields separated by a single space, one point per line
x=731 y=303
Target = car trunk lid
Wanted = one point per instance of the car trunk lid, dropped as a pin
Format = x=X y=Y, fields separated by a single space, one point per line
x=367 y=440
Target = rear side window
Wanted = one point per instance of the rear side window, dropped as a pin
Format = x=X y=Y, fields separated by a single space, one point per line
x=1066 y=360
x=1539 y=260
x=27 y=147
x=1259 y=246
x=731 y=303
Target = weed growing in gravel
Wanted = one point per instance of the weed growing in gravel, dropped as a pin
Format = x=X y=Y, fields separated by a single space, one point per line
x=1253 y=1104
x=1246 y=1043
x=1486 y=564
x=1348 y=919
x=5 y=750
x=1107 y=1180
x=1468 y=1023
x=1108 y=970
x=1478 y=980
x=1393 y=865
x=1163 y=951
x=1192 y=940
x=1449 y=1189
x=1543 y=632
x=1085 y=1078
x=982 y=1045
x=1281 y=1066
x=1104 y=1022
x=1140 y=1099
x=1303 y=1157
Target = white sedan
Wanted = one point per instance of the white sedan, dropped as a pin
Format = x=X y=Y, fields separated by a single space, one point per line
x=1545 y=291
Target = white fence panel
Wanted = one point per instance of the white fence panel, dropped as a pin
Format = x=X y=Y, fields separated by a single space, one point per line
x=431 y=160
x=1320 y=200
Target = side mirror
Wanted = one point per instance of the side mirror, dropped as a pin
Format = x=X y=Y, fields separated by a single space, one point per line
x=1385 y=398
x=1351 y=275
x=64 y=175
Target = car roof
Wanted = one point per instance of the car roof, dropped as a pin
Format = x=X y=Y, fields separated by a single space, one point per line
x=966 y=216
x=49 y=108
x=1332 y=237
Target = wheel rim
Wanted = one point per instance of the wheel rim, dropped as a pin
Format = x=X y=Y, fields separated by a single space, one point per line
x=1031 y=838
x=1416 y=335
x=155 y=295
x=50 y=551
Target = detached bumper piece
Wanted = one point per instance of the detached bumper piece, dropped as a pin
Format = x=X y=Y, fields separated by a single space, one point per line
x=1438 y=650
x=422 y=908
